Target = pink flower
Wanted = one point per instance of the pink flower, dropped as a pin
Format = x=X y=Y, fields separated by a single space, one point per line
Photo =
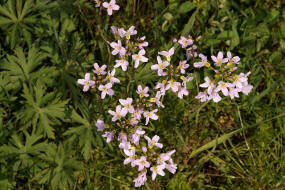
x=114 y=30
x=173 y=85
x=100 y=125
x=160 y=66
x=131 y=31
x=109 y=136
x=131 y=157
x=150 y=115
x=234 y=59
x=202 y=96
x=122 y=137
x=239 y=80
x=184 y=42
x=160 y=86
x=118 y=48
x=157 y=170
x=122 y=63
x=106 y=89
x=222 y=86
x=135 y=137
x=167 y=54
x=127 y=103
x=125 y=145
x=219 y=60
x=142 y=92
x=153 y=142
x=139 y=57
x=111 y=6
x=111 y=77
x=98 y=3
x=171 y=167
x=99 y=70
x=208 y=84
x=118 y=114
x=182 y=66
x=215 y=96
x=142 y=163
x=233 y=92
x=86 y=82
x=246 y=89
x=140 y=180
x=137 y=114
x=182 y=91
x=203 y=63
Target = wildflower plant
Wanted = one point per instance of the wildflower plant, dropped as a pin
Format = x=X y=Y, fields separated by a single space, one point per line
x=132 y=114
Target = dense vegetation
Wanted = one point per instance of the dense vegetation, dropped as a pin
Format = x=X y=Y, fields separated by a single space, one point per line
x=48 y=137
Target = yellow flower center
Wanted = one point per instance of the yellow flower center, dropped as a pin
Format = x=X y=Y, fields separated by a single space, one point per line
x=168 y=58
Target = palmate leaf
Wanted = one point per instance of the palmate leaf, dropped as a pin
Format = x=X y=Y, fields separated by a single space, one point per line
x=27 y=68
x=22 y=150
x=83 y=133
x=42 y=109
x=60 y=169
x=17 y=19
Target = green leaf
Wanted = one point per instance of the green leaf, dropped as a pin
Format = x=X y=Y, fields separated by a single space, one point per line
x=186 y=7
x=282 y=29
x=42 y=109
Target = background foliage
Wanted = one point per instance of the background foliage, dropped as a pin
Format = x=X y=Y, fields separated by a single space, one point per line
x=47 y=135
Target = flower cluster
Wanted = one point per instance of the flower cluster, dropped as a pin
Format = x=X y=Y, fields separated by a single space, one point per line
x=102 y=79
x=173 y=74
x=189 y=45
x=146 y=156
x=225 y=80
x=129 y=51
x=111 y=6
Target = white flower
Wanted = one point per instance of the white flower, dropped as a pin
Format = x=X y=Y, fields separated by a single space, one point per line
x=150 y=115
x=182 y=91
x=167 y=54
x=215 y=96
x=204 y=62
x=100 y=125
x=118 y=48
x=111 y=77
x=139 y=57
x=111 y=6
x=86 y=82
x=109 y=136
x=106 y=89
x=122 y=63
x=131 y=157
x=142 y=163
x=160 y=66
x=208 y=84
x=234 y=59
x=118 y=114
x=222 y=86
x=182 y=66
x=173 y=85
x=99 y=70
x=157 y=170
x=135 y=137
x=202 y=96
x=140 y=180
x=142 y=92
x=219 y=60
x=153 y=142
x=127 y=103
